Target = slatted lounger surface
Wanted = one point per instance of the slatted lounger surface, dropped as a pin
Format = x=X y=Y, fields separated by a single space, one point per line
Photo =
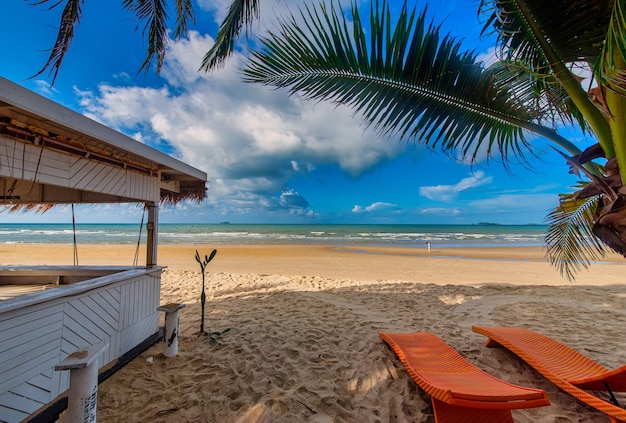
x=566 y=368
x=460 y=391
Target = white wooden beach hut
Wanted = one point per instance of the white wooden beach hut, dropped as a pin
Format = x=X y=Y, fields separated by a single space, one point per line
x=52 y=155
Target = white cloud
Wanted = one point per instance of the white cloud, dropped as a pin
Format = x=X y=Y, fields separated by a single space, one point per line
x=439 y=211
x=295 y=203
x=583 y=70
x=488 y=58
x=377 y=206
x=448 y=193
x=251 y=140
x=123 y=76
x=529 y=202
x=44 y=88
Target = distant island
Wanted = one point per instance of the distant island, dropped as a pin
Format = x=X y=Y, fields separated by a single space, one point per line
x=224 y=223
x=488 y=224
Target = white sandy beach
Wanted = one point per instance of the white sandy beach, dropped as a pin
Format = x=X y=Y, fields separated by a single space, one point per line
x=304 y=320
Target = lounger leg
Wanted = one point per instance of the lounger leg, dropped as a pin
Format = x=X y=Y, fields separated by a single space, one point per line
x=492 y=344
x=446 y=413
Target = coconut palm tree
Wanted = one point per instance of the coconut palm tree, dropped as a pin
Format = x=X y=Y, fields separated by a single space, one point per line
x=408 y=79
x=155 y=16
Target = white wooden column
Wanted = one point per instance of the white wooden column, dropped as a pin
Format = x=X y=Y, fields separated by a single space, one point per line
x=83 y=391
x=170 y=329
x=153 y=234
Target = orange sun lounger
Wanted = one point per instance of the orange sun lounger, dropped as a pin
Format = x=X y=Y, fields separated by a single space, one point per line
x=460 y=391
x=568 y=369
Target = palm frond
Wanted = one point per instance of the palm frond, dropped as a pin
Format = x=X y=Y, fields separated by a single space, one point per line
x=576 y=29
x=154 y=13
x=405 y=79
x=609 y=69
x=570 y=242
x=240 y=13
x=548 y=37
x=69 y=20
x=184 y=15
x=542 y=95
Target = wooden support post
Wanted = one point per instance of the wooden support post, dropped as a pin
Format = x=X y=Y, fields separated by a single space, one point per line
x=170 y=330
x=83 y=393
x=153 y=232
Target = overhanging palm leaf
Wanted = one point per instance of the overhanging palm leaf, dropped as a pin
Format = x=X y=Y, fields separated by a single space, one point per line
x=609 y=68
x=241 y=13
x=405 y=79
x=576 y=29
x=547 y=36
x=542 y=95
x=154 y=13
x=571 y=244
x=544 y=98
x=69 y=19
x=184 y=14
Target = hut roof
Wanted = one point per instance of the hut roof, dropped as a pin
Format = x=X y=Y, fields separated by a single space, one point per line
x=37 y=121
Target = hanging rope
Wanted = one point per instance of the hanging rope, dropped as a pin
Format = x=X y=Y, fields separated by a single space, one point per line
x=74 y=233
x=32 y=185
x=139 y=240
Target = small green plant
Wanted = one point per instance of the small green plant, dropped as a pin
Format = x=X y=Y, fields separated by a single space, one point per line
x=203 y=264
x=213 y=336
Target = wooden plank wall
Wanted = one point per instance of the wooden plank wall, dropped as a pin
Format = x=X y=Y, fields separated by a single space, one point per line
x=34 y=339
x=25 y=161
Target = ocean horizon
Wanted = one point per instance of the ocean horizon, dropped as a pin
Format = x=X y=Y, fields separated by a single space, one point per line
x=403 y=235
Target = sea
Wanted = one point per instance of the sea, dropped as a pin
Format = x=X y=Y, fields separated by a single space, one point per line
x=418 y=236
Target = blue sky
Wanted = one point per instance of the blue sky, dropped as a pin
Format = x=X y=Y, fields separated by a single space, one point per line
x=270 y=158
